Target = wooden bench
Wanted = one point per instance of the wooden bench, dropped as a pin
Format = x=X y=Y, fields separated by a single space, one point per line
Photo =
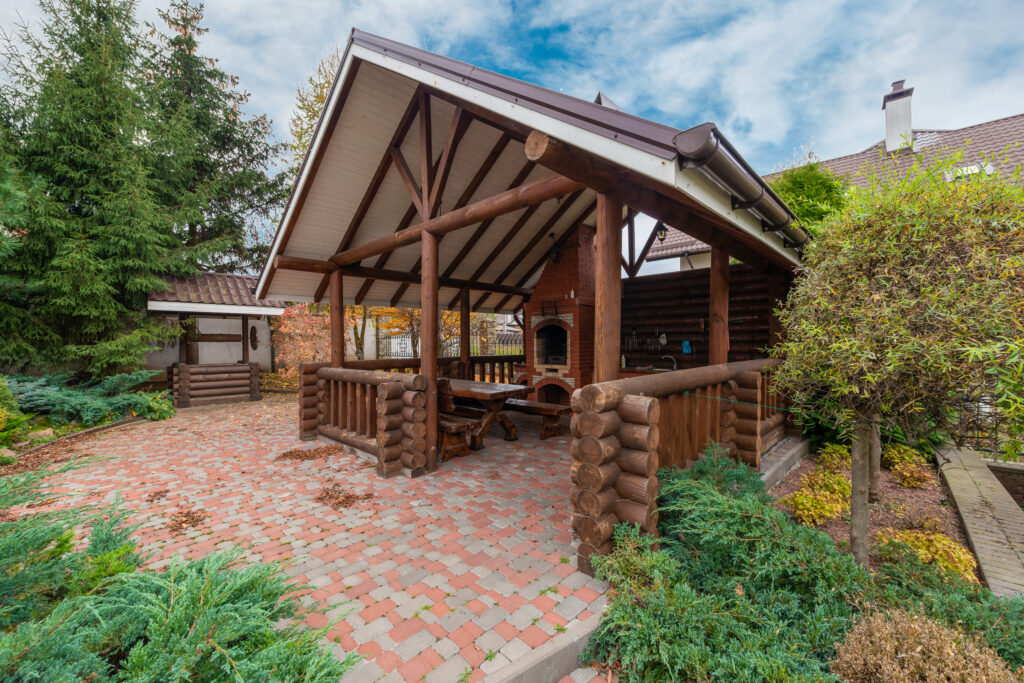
x=453 y=425
x=551 y=414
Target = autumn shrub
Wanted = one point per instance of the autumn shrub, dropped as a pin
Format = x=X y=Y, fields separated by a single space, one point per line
x=931 y=547
x=906 y=647
x=823 y=495
x=912 y=475
x=834 y=457
x=896 y=454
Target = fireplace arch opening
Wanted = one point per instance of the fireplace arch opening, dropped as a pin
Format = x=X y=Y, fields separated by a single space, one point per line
x=551 y=345
x=553 y=393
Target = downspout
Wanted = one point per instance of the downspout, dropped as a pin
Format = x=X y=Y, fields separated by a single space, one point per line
x=704 y=147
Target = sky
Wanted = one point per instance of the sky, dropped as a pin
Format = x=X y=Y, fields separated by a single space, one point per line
x=779 y=78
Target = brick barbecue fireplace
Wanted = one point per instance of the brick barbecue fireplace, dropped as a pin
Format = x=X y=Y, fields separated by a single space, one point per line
x=559 y=321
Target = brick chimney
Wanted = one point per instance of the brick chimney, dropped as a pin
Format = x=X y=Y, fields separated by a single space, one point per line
x=898 y=130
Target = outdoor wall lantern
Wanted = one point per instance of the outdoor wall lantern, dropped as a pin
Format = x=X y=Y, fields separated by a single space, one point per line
x=662 y=232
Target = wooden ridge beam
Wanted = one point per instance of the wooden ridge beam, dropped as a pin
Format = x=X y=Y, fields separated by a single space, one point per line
x=506 y=202
x=312 y=266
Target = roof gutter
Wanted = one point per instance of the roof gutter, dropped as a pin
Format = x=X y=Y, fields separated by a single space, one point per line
x=704 y=147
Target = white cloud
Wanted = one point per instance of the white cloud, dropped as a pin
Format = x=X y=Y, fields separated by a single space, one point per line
x=774 y=75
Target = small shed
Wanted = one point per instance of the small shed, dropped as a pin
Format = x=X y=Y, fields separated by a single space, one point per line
x=226 y=343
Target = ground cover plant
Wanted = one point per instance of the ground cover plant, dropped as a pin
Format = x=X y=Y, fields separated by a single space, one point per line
x=740 y=591
x=85 y=610
x=88 y=403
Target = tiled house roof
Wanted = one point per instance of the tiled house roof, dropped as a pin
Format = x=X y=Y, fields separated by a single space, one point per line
x=214 y=288
x=1001 y=139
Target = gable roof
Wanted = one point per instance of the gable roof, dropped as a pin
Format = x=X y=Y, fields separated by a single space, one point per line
x=212 y=293
x=676 y=244
x=1002 y=139
x=351 y=192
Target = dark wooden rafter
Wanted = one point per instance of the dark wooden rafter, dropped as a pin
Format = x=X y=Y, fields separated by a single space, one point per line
x=631 y=225
x=299 y=195
x=441 y=175
x=441 y=168
x=537 y=236
x=426 y=151
x=539 y=263
x=375 y=182
x=647 y=247
x=411 y=186
x=519 y=179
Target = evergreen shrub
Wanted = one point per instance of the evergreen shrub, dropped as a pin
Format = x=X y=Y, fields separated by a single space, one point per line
x=739 y=591
x=73 y=611
x=90 y=403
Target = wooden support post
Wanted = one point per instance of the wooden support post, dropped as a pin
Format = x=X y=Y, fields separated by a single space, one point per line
x=464 y=337
x=245 y=339
x=183 y=339
x=337 y=321
x=608 y=288
x=428 y=340
x=718 y=334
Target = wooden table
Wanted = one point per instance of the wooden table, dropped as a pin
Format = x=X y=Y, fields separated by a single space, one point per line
x=492 y=397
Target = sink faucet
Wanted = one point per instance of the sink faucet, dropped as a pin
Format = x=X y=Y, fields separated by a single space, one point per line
x=672 y=358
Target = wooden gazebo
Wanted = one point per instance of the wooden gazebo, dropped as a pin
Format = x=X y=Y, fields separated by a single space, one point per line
x=431 y=183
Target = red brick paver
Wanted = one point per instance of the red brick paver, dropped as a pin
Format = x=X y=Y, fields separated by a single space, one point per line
x=438 y=575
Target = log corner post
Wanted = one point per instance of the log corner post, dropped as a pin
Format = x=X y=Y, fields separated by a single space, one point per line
x=718 y=315
x=607 y=288
x=337 y=301
x=184 y=397
x=464 y=333
x=428 y=341
x=255 y=382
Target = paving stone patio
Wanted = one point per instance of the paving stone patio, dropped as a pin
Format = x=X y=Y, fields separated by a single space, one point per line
x=447 y=577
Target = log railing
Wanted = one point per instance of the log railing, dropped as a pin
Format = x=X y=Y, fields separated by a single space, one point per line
x=499 y=369
x=193 y=385
x=379 y=413
x=624 y=430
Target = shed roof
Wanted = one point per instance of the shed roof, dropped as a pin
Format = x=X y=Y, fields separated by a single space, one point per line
x=351 y=191
x=212 y=293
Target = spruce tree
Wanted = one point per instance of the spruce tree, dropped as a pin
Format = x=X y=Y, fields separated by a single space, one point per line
x=210 y=161
x=93 y=243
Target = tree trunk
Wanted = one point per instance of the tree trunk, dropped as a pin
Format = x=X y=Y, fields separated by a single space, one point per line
x=875 y=456
x=859 y=498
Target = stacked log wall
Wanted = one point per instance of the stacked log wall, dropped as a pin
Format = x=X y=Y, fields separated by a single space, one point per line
x=684 y=316
x=193 y=385
x=614 y=471
x=309 y=413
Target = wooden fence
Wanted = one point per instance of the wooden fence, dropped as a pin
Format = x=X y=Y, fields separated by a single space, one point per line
x=379 y=413
x=624 y=430
x=501 y=369
x=193 y=385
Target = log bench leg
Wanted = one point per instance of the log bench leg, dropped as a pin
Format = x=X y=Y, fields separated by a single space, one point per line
x=509 y=426
x=452 y=445
x=551 y=425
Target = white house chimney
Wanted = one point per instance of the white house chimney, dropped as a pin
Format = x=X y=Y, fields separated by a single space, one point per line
x=896 y=104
